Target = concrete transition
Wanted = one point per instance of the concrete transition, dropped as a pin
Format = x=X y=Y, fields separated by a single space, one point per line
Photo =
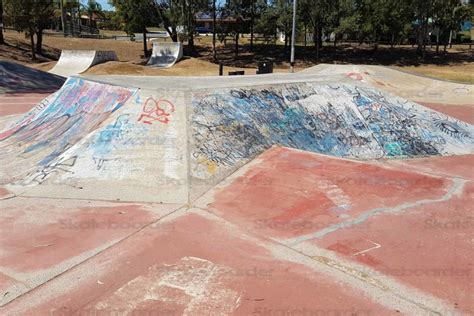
x=16 y=78
x=413 y=87
x=73 y=62
x=165 y=55
x=155 y=139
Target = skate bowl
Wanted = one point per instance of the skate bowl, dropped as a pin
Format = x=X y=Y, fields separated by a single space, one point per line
x=409 y=86
x=73 y=62
x=155 y=139
x=165 y=55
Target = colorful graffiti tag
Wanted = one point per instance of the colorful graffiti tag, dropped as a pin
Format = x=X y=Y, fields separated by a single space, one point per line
x=57 y=124
x=154 y=110
x=340 y=120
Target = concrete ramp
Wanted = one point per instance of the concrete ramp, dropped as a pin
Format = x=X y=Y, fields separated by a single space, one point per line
x=100 y=141
x=16 y=78
x=31 y=146
x=73 y=62
x=230 y=126
x=165 y=55
x=413 y=87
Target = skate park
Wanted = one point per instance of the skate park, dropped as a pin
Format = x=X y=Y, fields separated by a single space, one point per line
x=124 y=168
x=140 y=175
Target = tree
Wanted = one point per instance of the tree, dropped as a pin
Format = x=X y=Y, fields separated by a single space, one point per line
x=32 y=17
x=137 y=15
x=62 y=13
x=189 y=9
x=92 y=8
x=371 y=20
x=267 y=22
x=239 y=10
x=397 y=17
x=316 y=13
x=284 y=18
x=2 y=41
x=422 y=12
x=168 y=15
x=447 y=17
x=348 y=19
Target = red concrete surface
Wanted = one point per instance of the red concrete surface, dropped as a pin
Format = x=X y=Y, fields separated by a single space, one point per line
x=429 y=247
x=453 y=166
x=290 y=193
x=41 y=238
x=270 y=240
x=4 y=193
x=421 y=238
x=194 y=265
x=18 y=103
x=463 y=112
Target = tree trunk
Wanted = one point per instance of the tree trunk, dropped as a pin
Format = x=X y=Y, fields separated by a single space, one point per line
x=63 y=13
x=318 y=41
x=420 y=39
x=145 y=48
x=39 y=41
x=174 y=34
x=191 y=41
x=376 y=41
x=392 y=42
x=437 y=43
x=305 y=36
x=237 y=44
x=252 y=17
x=2 y=40
x=425 y=34
x=32 y=44
x=171 y=30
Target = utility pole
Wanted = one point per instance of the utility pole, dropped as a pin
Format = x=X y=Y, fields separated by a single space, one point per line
x=293 y=36
x=214 y=29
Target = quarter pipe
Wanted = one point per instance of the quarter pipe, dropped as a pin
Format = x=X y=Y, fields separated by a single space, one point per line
x=165 y=55
x=73 y=62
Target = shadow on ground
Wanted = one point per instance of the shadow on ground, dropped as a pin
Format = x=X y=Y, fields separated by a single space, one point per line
x=341 y=54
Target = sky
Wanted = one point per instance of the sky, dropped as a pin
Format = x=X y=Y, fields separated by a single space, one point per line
x=105 y=5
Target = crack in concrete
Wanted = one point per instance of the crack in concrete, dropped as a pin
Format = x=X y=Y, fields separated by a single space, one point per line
x=455 y=189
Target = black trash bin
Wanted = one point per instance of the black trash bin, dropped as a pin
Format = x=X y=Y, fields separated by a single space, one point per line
x=265 y=67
